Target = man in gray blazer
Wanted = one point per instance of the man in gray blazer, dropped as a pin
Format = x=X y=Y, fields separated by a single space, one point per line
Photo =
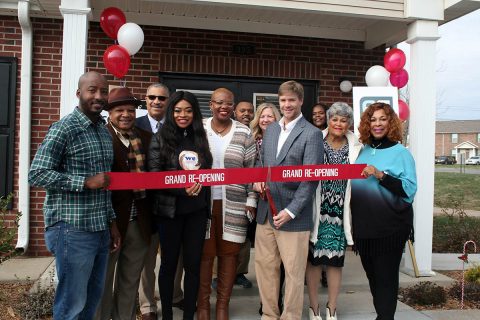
x=284 y=237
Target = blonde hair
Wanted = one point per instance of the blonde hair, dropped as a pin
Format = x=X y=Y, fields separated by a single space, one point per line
x=293 y=87
x=254 y=125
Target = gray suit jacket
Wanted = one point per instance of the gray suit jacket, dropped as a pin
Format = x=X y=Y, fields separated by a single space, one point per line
x=143 y=123
x=304 y=145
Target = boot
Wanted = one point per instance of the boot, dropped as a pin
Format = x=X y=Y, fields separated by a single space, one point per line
x=203 y=299
x=227 y=270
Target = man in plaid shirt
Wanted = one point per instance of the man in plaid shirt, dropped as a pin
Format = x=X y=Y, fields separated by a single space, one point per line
x=71 y=164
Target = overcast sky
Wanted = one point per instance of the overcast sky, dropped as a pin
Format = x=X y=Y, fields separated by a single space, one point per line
x=458 y=69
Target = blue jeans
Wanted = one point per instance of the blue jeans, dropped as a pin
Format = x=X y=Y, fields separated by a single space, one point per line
x=81 y=261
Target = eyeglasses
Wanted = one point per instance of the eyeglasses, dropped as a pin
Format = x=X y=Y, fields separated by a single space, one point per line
x=161 y=98
x=223 y=103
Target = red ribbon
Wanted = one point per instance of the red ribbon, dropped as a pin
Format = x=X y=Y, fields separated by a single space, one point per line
x=210 y=177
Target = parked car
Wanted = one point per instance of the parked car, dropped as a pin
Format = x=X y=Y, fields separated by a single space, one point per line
x=473 y=160
x=445 y=160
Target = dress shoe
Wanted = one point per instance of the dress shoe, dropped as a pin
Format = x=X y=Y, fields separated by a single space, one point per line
x=312 y=315
x=149 y=316
x=178 y=304
x=241 y=280
x=329 y=316
x=214 y=283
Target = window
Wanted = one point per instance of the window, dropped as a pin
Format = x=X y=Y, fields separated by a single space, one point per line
x=203 y=97
x=478 y=137
x=454 y=152
x=454 y=137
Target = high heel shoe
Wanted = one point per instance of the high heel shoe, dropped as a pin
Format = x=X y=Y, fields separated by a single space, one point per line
x=328 y=314
x=312 y=315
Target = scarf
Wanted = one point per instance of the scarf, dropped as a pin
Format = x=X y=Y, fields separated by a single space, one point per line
x=136 y=159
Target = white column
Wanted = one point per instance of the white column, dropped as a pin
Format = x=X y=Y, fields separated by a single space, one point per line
x=422 y=37
x=74 y=51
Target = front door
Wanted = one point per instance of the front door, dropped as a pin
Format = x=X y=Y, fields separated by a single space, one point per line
x=255 y=90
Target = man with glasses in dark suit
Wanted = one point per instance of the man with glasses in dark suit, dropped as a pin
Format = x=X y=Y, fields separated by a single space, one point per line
x=156 y=99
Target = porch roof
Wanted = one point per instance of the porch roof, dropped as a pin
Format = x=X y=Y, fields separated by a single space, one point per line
x=372 y=22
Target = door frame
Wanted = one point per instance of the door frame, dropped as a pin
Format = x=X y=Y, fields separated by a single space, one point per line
x=232 y=83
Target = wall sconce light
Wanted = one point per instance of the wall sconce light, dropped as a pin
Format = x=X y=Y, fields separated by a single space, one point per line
x=345 y=85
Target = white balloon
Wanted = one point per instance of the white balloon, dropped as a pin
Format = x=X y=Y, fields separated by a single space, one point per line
x=130 y=36
x=377 y=76
x=346 y=86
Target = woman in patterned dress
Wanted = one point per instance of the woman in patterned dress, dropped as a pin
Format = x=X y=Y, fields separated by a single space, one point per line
x=331 y=233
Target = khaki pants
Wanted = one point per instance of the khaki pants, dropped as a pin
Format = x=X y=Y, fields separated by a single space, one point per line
x=123 y=277
x=271 y=248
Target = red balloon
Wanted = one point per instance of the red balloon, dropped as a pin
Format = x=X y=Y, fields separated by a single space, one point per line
x=394 y=60
x=399 y=79
x=111 y=20
x=403 y=110
x=116 y=60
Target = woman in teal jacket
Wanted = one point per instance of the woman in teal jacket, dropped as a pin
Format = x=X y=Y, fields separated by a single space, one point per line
x=381 y=204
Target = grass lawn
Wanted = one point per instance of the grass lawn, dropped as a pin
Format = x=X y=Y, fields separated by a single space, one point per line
x=463 y=187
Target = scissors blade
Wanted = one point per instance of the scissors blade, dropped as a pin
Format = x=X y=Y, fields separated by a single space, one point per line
x=271 y=203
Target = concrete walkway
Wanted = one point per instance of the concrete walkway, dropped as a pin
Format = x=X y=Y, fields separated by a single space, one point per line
x=471 y=213
x=354 y=303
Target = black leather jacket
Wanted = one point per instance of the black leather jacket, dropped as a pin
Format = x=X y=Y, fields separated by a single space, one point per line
x=164 y=200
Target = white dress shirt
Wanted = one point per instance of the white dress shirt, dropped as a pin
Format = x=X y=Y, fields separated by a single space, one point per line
x=154 y=124
x=285 y=130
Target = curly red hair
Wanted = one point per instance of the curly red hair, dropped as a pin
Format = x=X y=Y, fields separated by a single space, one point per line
x=394 y=123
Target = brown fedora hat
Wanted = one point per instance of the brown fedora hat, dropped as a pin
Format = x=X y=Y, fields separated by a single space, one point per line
x=121 y=96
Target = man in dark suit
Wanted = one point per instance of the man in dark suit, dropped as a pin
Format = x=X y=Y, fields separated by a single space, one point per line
x=284 y=237
x=156 y=99
x=130 y=146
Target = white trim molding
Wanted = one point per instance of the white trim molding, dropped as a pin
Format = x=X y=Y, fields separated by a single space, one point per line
x=76 y=15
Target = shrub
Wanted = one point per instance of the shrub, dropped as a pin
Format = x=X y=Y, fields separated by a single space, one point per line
x=425 y=293
x=453 y=206
x=7 y=232
x=473 y=274
x=451 y=232
x=37 y=303
x=471 y=291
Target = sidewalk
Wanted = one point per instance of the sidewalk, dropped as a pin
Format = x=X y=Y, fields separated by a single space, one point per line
x=471 y=213
x=354 y=303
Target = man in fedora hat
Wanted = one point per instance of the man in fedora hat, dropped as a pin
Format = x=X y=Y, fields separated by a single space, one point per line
x=80 y=228
x=130 y=146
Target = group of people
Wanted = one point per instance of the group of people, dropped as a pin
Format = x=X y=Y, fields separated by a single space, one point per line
x=106 y=242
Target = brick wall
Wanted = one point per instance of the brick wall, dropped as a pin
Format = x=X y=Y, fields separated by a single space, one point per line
x=177 y=50
x=444 y=144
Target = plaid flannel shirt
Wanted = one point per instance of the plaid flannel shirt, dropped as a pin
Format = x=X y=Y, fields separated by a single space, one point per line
x=74 y=148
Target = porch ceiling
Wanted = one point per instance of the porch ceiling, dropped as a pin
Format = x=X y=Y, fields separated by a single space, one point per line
x=317 y=19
